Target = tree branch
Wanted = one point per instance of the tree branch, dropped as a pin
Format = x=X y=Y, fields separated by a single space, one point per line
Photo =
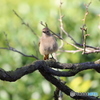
x=75 y=68
x=12 y=76
x=26 y=24
x=13 y=49
x=64 y=88
x=47 y=72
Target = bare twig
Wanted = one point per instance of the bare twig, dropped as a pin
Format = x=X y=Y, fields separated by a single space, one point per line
x=86 y=13
x=60 y=20
x=6 y=39
x=84 y=30
x=84 y=34
x=13 y=49
x=71 y=51
x=26 y=24
x=61 y=25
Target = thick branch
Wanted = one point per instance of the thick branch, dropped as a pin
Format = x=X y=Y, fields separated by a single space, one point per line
x=47 y=72
x=61 y=86
x=12 y=76
x=75 y=68
x=19 y=72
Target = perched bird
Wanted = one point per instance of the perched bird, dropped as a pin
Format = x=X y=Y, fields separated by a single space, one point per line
x=47 y=44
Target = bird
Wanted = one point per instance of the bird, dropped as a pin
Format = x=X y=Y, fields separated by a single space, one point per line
x=47 y=44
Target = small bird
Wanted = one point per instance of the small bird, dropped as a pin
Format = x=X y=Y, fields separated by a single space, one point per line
x=48 y=43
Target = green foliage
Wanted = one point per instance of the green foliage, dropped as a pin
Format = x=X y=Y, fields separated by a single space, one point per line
x=34 y=86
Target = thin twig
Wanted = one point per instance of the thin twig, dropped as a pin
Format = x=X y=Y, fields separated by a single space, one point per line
x=87 y=12
x=13 y=49
x=60 y=20
x=6 y=39
x=71 y=51
x=26 y=24
x=84 y=34
x=84 y=30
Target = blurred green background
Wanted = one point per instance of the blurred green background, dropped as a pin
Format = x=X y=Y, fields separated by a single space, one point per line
x=34 y=86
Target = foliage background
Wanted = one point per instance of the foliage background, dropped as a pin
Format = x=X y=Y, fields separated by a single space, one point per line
x=34 y=86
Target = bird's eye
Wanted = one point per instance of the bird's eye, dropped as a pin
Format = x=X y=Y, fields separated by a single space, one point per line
x=45 y=31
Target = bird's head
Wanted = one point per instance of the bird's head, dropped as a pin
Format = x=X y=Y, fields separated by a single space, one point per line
x=46 y=31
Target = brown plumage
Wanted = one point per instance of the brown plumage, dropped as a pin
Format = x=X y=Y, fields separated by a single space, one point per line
x=47 y=44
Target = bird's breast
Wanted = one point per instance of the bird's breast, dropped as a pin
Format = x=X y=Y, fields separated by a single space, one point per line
x=48 y=45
